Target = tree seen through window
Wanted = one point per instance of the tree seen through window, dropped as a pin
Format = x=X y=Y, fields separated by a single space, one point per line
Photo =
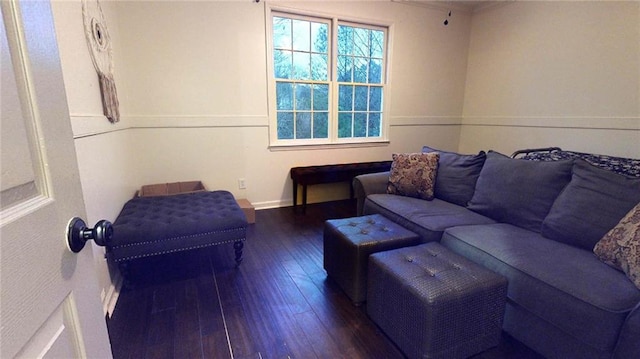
x=302 y=70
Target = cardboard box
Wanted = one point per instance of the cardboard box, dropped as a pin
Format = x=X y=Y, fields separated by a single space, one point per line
x=166 y=189
x=248 y=209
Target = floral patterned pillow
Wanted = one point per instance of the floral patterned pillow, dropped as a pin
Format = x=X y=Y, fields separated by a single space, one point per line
x=413 y=174
x=620 y=247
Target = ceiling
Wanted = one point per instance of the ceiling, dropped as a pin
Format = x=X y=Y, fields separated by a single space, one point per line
x=460 y=5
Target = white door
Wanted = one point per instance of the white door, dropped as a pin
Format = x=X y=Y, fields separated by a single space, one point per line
x=49 y=304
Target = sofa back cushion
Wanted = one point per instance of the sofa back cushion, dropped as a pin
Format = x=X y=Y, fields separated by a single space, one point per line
x=457 y=175
x=592 y=203
x=519 y=192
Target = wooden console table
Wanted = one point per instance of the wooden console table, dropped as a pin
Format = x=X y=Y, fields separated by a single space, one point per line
x=329 y=174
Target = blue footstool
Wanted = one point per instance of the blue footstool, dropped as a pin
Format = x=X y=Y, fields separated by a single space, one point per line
x=151 y=226
x=348 y=244
x=434 y=303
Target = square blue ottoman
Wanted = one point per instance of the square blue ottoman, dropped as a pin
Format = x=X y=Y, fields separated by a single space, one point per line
x=348 y=244
x=433 y=303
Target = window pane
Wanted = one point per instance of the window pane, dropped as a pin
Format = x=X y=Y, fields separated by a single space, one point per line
x=361 y=94
x=377 y=43
x=303 y=125
x=375 y=124
x=375 y=71
x=282 y=65
x=301 y=35
x=345 y=64
x=321 y=97
x=345 y=98
x=284 y=95
x=302 y=65
x=360 y=125
x=361 y=42
x=360 y=70
x=303 y=97
x=344 y=124
x=306 y=77
x=319 y=37
x=320 y=125
x=319 y=64
x=345 y=40
x=375 y=99
x=285 y=125
x=281 y=33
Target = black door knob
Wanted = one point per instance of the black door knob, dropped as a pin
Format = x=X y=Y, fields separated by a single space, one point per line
x=78 y=234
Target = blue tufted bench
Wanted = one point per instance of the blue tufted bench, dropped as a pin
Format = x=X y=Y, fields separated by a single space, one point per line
x=150 y=226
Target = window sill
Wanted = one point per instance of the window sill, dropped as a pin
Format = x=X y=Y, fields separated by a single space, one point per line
x=327 y=146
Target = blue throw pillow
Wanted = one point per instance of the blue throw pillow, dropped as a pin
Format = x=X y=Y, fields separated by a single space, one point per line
x=519 y=192
x=592 y=203
x=457 y=175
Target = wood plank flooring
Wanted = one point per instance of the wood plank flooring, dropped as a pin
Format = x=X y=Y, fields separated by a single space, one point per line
x=277 y=304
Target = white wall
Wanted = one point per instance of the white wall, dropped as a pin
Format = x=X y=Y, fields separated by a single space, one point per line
x=196 y=81
x=554 y=74
x=102 y=149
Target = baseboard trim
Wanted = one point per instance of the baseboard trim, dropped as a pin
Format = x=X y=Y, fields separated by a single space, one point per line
x=111 y=298
x=272 y=204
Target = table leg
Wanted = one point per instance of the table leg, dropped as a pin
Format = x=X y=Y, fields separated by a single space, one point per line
x=304 y=198
x=237 y=246
x=295 y=195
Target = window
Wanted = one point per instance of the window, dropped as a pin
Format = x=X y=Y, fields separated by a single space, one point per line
x=327 y=80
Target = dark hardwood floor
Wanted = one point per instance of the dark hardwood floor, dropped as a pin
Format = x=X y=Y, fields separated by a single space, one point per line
x=277 y=304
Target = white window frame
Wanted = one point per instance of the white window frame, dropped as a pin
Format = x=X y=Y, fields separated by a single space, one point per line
x=334 y=20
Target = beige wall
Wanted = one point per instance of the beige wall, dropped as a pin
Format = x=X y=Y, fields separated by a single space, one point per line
x=554 y=74
x=195 y=83
x=102 y=149
x=191 y=79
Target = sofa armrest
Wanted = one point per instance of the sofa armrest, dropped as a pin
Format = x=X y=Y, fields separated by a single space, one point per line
x=367 y=184
x=628 y=345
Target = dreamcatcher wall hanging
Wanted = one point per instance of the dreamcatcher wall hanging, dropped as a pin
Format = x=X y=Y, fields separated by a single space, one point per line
x=99 y=43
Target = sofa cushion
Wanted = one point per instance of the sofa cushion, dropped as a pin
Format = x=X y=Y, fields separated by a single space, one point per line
x=426 y=218
x=592 y=203
x=457 y=175
x=620 y=247
x=518 y=192
x=567 y=286
x=413 y=174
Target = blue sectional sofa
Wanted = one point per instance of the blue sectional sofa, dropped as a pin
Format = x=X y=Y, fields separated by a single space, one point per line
x=535 y=220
